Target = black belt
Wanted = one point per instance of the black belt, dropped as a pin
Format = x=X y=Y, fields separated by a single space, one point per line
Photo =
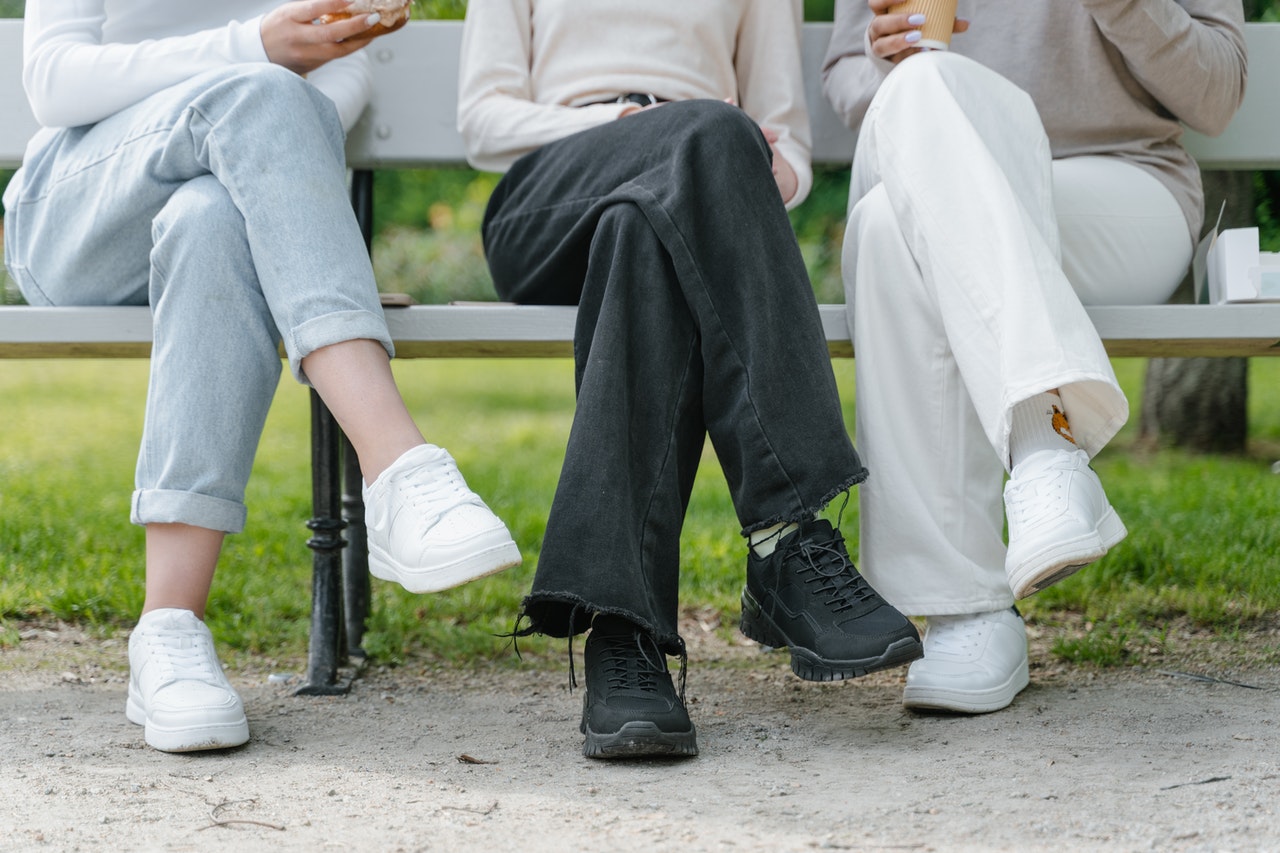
x=644 y=99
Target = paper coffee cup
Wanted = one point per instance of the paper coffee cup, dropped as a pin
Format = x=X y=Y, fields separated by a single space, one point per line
x=939 y=20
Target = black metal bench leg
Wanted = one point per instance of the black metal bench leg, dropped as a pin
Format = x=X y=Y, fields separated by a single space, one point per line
x=339 y=584
x=327 y=648
x=355 y=561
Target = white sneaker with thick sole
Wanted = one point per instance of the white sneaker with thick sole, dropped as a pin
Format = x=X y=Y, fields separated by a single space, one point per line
x=1059 y=519
x=427 y=530
x=177 y=689
x=972 y=664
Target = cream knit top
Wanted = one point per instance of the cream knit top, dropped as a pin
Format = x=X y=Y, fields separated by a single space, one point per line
x=529 y=66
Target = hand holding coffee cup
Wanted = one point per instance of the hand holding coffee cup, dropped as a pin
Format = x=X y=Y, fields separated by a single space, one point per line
x=939 y=21
x=899 y=29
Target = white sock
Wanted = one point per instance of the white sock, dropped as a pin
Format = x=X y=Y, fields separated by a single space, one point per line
x=763 y=542
x=1039 y=423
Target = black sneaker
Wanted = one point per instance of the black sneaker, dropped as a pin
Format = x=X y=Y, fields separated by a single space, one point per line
x=631 y=708
x=808 y=596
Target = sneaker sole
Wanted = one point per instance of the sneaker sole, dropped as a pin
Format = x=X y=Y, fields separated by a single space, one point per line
x=926 y=698
x=1063 y=559
x=188 y=738
x=809 y=665
x=487 y=561
x=640 y=739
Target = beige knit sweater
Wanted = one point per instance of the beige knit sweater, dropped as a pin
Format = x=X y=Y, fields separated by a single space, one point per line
x=1109 y=77
x=528 y=66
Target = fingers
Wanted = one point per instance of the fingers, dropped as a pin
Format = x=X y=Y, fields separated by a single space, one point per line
x=784 y=176
x=345 y=29
x=893 y=35
x=304 y=35
x=306 y=11
x=336 y=22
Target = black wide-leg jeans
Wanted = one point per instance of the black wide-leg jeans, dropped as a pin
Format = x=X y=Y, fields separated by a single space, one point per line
x=695 y=317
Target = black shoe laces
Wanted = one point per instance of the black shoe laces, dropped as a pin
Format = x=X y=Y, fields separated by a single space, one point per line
x=632 y=661
x=828 y=565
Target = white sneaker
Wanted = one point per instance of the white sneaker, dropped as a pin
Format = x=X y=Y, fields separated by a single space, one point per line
x=177 y=688
x=427 y=530
x=972 y=664
x=1059 y=519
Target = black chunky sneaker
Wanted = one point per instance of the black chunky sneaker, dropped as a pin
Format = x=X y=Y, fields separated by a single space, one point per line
x=808 y=596
x=631 y=708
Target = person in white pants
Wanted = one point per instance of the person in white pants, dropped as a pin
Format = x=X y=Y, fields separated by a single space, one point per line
x=989 y=202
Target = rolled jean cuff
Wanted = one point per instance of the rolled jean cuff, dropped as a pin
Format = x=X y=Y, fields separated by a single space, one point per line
x=331 y=329
x=167 y=506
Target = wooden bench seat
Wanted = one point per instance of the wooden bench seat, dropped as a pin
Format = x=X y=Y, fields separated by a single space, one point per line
x=502 y=330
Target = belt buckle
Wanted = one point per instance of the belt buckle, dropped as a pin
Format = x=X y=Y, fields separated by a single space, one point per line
x=635 y=98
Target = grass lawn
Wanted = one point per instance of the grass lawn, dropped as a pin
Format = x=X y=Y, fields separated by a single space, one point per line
x=1202 y=553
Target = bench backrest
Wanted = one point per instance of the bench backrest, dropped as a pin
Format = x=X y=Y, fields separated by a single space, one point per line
x=410 y=123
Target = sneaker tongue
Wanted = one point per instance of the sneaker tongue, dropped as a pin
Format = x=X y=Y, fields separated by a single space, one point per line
x=815 y=528
x=818 y=525
x=170 y=618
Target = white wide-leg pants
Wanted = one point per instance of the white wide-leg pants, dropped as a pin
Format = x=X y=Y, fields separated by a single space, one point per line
x=967 y=260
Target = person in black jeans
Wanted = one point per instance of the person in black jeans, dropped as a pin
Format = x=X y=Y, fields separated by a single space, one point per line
x=666 y=224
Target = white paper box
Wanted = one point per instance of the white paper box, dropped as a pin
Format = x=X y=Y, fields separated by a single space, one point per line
x=1238 y=272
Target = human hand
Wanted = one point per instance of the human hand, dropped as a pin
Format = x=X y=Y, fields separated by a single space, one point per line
x=783 y=175
x=632 y=109
x=893 y=35
x=292 y=37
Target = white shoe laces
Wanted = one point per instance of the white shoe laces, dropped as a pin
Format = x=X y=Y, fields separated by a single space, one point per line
x=445 y=489
x=183 y=656
x=1041 y=497
x=955 y=635
x=1038 y=499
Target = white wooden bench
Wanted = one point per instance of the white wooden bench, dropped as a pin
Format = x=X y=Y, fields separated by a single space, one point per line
x=411 y=125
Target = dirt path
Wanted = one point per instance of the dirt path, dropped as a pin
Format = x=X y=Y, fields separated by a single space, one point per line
x=1127 y=759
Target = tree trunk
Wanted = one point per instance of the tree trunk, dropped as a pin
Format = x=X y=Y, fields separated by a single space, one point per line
x=1200 y=403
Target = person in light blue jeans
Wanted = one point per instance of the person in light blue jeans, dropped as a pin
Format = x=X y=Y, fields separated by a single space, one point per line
x=191 y=159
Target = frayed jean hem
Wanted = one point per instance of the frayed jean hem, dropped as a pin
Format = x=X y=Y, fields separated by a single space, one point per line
x=565 y=614
x=811 y=511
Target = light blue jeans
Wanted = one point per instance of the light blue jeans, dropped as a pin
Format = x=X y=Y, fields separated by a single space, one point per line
x=222 y=203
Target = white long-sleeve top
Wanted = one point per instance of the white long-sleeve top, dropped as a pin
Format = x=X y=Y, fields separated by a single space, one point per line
x=84 y=60
x=1109 y=77
x=529 y=66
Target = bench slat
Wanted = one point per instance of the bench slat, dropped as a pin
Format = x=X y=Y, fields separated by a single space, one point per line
x=529 y=331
